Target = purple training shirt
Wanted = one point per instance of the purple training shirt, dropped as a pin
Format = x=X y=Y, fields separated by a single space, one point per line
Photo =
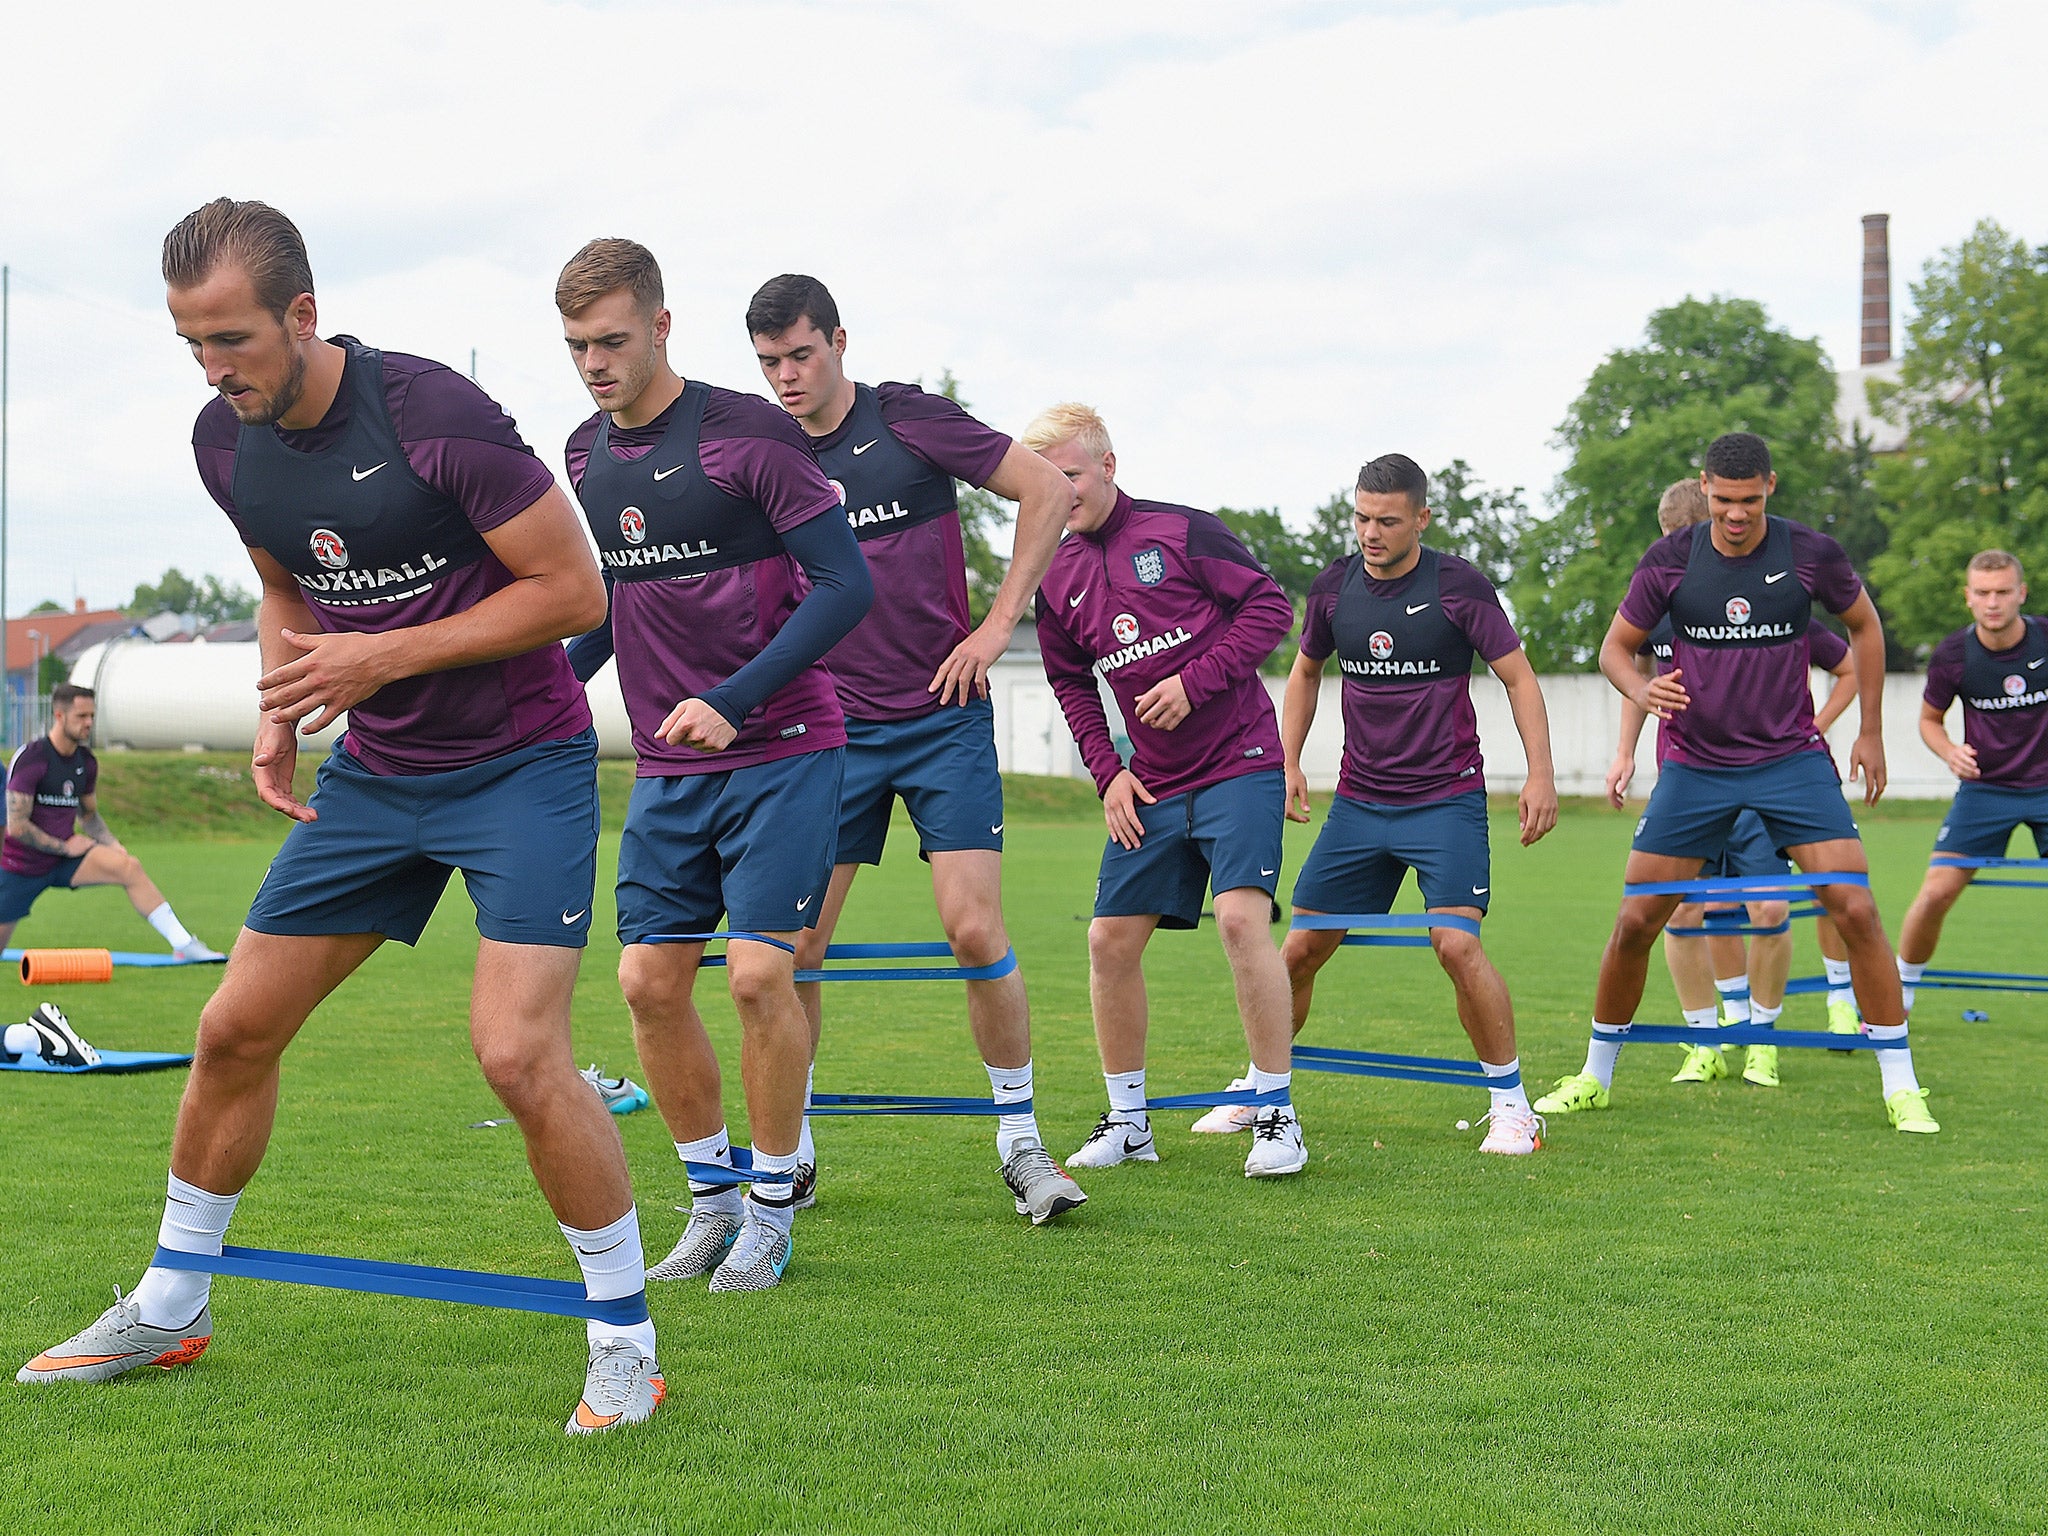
x=1750 y=702
x=679 y=639
x=1157 y=590
x=57 y=785
x=1408 y=739
x=2005 y=702
x=1824 y=649
x=465 y=453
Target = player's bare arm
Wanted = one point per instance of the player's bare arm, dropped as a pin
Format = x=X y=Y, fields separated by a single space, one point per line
x=1960 y=756
x=1660 y=696
x=275 y=758
x=1297 y=713
x=1537 y=804
x=1622 y=771
x=1043 y=498
x=1840 y=696
x=93 y=825
x=1866 y=653
x=555 y=593
x=20 y=808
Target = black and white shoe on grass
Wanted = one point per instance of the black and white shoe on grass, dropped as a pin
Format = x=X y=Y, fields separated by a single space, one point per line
x=707 y=1238
x=1041 y=1186
x=57 y=1042
x=1277 y=1144
x=757 y=1259
x=804 y=1187
x=1118 y=1137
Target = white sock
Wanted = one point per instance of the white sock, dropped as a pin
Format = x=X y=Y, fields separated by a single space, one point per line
x=715 y=1148
x=806 y=1149
x=1909 y=975
x=1509 y=1096
x=773 y=1198
x=21 y=1040
x=613 y=1269
x=1895 y=1067
x=1734 y=998
x=1012 y=1085
x=195 y=1221
x=1840 y=989
x=1268 y=1082
x=165 y=922
x=1601 y=1055
x=1764 y=1018
x=1703 y=1018
x=1127 y=1095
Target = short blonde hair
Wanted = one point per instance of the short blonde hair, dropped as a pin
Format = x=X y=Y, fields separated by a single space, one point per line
x=1683 y=503
x=1997 y=560
x=1069 y=421
x=605 y=266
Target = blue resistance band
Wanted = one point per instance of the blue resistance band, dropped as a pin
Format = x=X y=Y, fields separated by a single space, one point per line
x=1742 y=1034
x=1734 y=922
x=518 y=1293
x=1326 y=921
x=1217 y=1100
x=1940 y=981
x=922 y=951
x=1743 y=887
x=1414 y=1069
x=1957 y=861
x=131 y=957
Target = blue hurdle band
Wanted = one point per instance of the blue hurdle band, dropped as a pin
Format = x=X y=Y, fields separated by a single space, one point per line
x=1414 y=1069
x=1734 y=922
x=1742 y=1034
x=518 y=1293
x=1957 y=861
x=1369 y=921
x=1744 y=887
x=1216 y=1100
x=919 y=951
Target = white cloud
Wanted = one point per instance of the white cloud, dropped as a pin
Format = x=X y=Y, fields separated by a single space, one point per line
x=1267 y=240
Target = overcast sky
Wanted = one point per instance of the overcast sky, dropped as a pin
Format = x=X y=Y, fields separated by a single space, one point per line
x=1267 y=241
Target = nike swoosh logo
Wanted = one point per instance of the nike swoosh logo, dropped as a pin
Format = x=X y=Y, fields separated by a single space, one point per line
x=1418 y=607
x=2033 y=664
x=1075 y=600
x=1131 y=1146
x=1779 y=577
x=588 y=1420
x=364 y=474
x=998 y=827
x=804 y=903
x=864 y=447
x=1481 y=890
x=1011 y=1087
x=570 y=917
x=663 y=474
x=1265 y=871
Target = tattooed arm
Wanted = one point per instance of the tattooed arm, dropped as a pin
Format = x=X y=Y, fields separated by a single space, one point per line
x=23 y=830
x=93 y=825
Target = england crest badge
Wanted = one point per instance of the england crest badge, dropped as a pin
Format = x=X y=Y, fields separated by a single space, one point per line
x=1150 y=566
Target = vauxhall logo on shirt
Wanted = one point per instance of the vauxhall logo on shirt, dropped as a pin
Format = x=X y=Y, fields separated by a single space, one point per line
x=1380 y=646
x=330 y=551
x=867 y=517
x=1738 y=626
x=633 y=525
x=2016 y=695
x=1125 y=627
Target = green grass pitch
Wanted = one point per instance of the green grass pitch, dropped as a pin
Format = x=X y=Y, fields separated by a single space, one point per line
x=1709 y=1309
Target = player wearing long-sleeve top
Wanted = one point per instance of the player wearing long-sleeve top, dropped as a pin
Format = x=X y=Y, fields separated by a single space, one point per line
x=1169 y=608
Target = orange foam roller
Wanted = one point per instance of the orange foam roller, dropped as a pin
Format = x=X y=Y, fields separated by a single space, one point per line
x=50 y=967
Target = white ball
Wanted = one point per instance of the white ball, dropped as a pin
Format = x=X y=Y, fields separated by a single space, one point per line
x=1464 y=1125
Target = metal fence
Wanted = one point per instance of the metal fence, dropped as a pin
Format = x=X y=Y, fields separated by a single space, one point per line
x=26 y=716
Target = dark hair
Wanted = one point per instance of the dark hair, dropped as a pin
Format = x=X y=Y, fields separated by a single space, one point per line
x=64 y=695
x=604 y=266
x=1738 y=456
x=254 y=236
x=1395 y=474
x=782 y=301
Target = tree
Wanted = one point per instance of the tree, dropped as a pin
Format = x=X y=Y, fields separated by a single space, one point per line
x=981 y=513
x=1973 y=397
x=47 y=605
x=1706 y=366
x=214 y=601
x=1483 y=526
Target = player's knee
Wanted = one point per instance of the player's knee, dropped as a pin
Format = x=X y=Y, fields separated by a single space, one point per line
x=231 y=1034
x=1244 y=925
x=650 y=984
x=1636 y=926
x=512 y=1065
x=1857 y=920
x=978 y=938
x=1459 y=953
x=1768 y=914
x=1112 y=945
x=756 y=981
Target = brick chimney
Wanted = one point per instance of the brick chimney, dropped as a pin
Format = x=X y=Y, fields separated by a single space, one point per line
x=1877 y=289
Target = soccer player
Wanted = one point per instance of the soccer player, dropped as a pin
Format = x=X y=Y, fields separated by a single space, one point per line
x=733 y=572
x=1166 y=606
x=419 y=566
x=1404 y=622
x=893 y=452
x=57 y=837
x=1998 y=666
x=1713 y=974
x=1739 y=589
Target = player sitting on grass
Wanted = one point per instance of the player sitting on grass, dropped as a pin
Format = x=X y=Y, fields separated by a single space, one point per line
x=894 y=452
x=1998 y=666
x=57 y=837
x=419 y=567
x=1720 y=980
x=1174 y=613
x=1405 y=622
x=732 y=573
x=1740 y=590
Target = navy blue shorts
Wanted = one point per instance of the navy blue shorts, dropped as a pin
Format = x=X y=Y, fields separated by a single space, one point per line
x=1363 y=851
x=1749 y=851
x=942 y=764
x=1226 y=836
x=753 y=843
x=1984 y=817
x=19 y=892
x=1692 y=811
x=522 y=828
